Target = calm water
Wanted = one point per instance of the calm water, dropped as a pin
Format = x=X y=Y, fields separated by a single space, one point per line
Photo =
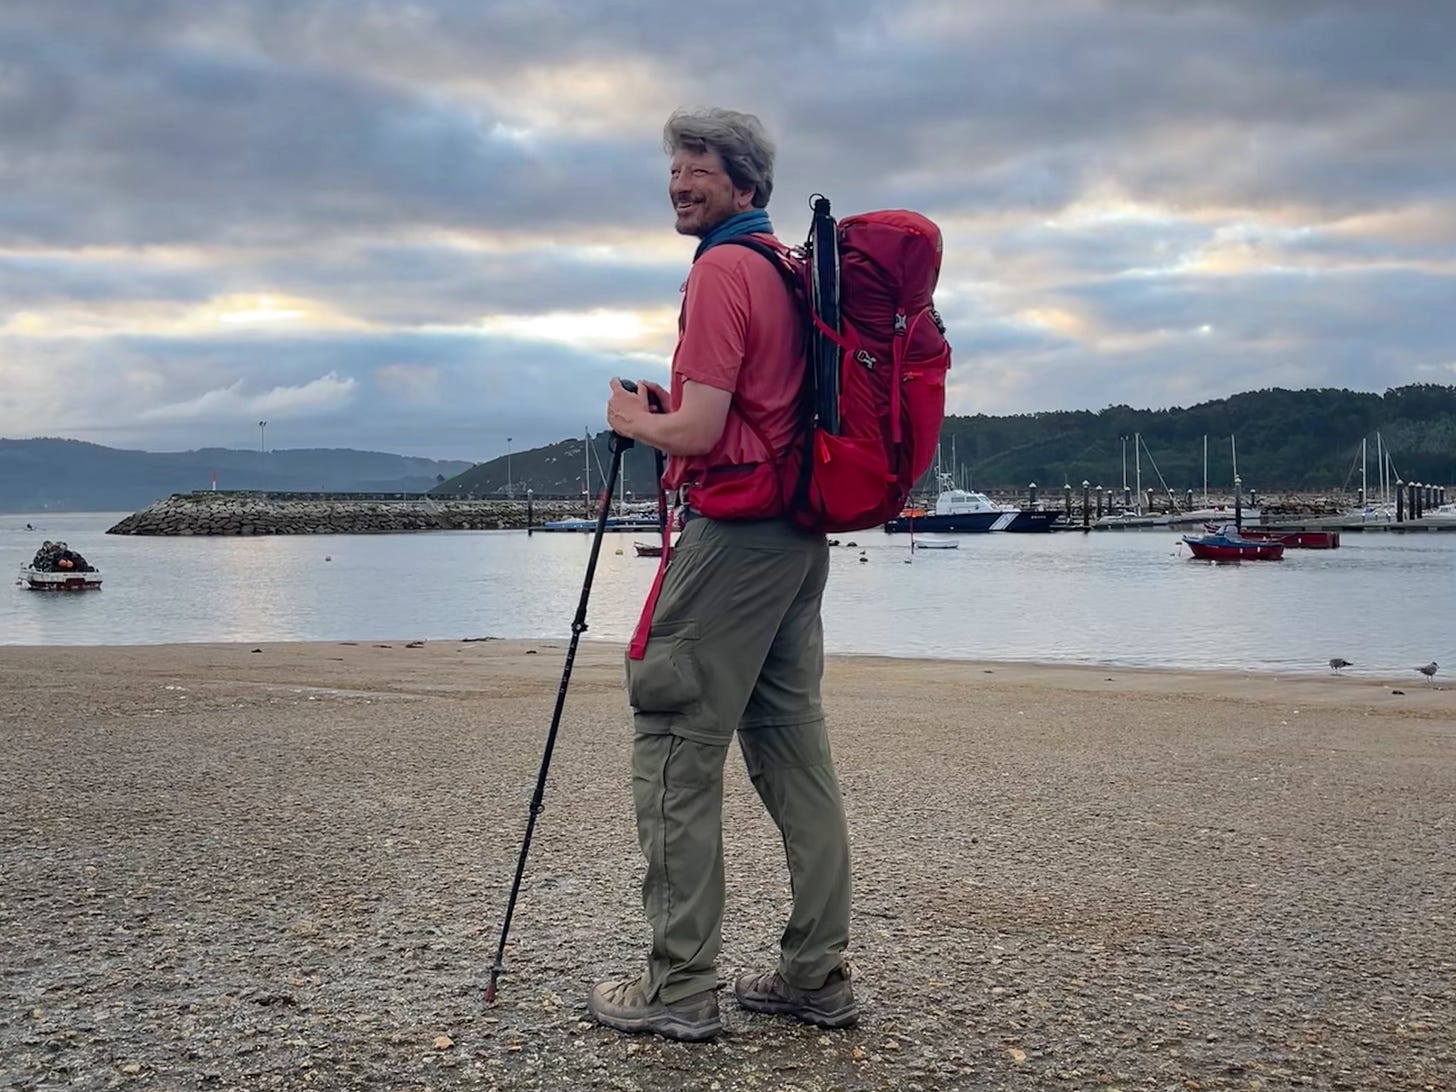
x=1384 y=601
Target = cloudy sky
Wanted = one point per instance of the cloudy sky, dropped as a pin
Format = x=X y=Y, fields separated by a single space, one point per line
x=426 y=226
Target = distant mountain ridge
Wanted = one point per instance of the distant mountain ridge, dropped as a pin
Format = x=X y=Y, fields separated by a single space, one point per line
x=1303 y=440
x=73 y=475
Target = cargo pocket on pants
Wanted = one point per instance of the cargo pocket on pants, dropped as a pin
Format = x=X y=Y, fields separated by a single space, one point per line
x=665 y=684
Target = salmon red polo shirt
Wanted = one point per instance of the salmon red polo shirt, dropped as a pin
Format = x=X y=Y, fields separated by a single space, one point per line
x=740 y=332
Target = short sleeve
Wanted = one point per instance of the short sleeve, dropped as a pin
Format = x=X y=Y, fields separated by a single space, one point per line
x=715 y=321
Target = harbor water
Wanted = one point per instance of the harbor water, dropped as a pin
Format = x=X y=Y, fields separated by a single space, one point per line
x=1384 y=601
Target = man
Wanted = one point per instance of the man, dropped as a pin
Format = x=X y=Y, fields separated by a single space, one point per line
x=736 y=639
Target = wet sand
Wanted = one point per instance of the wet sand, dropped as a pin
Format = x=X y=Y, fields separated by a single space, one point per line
x=233 y=869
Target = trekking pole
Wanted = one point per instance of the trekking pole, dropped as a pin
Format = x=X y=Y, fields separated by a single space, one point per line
x=618 y=444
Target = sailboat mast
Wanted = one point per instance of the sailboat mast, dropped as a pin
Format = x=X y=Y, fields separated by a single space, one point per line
x=1137 y=455
x=1234 y=450
x=1205 y=470
x=1380 y=463
x=1124 y=463
x=1364 y=490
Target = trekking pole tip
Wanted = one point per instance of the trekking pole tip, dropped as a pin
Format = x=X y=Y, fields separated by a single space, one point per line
x=496 y=970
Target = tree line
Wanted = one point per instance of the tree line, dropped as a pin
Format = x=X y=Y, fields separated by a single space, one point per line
x=1285 y=440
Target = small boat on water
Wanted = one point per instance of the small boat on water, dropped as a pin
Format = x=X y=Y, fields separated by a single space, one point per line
x=1217 y=513
x=1227 y=544
x=1293 y=540
x=1133 y=518
x=56 y=567
x=648 y=549
x=614 y=523
x=936 y=544
x=964 y=511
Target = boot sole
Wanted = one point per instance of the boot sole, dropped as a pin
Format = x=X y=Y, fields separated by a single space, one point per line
x=668 y=1027
x=845 y=1017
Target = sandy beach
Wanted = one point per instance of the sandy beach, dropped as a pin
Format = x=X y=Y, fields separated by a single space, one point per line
x=284 y=866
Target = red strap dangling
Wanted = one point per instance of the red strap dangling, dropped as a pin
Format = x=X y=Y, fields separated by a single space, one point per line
x=638 y=648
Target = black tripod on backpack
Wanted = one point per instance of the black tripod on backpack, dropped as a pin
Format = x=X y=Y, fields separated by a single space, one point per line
x=619 y=446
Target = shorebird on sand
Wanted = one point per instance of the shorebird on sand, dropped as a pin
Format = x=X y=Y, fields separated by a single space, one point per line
x=1428 y=670
x=1339 y=662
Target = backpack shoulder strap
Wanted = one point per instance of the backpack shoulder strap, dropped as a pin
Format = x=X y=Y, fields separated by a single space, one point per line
x=780 y=259
x=774 y=255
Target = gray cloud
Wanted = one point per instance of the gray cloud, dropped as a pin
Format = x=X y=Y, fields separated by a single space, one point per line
x=425 y=285
x=142 y=147
x=444 y=395
x=1113 y=176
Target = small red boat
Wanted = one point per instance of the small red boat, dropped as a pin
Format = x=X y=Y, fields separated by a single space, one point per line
x=1294 y=540
x=1227 y=544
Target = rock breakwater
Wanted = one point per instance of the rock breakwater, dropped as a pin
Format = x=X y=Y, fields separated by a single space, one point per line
x=240 y=513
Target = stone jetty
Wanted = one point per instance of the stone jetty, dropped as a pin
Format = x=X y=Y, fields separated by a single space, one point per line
x=260 y=513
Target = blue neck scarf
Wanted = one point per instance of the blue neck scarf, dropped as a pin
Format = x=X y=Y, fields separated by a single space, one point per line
x=752 y=222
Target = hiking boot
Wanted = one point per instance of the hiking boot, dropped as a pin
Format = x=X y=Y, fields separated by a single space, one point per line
x=621 y=1005
x=832 y=1005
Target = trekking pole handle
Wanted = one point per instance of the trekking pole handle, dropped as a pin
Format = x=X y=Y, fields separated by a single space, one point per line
x=620 y=442
x=653 y=402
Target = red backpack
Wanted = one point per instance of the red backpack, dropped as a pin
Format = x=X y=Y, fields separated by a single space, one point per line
x=874 y=383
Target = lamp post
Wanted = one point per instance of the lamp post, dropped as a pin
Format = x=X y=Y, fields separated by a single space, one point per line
x=510 y=485
x=262 y=427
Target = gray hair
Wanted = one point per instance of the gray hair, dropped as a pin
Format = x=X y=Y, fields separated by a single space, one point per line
x=740 y=139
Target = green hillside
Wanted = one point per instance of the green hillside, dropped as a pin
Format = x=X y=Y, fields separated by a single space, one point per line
x=557 y=470
x=1305 y=440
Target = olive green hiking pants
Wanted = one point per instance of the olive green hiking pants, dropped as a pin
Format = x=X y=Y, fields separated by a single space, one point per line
x=737 y=644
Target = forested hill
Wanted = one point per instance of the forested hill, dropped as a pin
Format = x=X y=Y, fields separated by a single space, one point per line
x=1308 y=440
x=77 y=476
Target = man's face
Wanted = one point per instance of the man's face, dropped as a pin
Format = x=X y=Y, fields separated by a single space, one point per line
x=702 y=193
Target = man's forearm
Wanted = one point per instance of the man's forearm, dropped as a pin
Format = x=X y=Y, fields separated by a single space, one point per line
x=675 y=433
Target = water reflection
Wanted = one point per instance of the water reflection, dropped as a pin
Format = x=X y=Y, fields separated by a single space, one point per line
x=1383 y=601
